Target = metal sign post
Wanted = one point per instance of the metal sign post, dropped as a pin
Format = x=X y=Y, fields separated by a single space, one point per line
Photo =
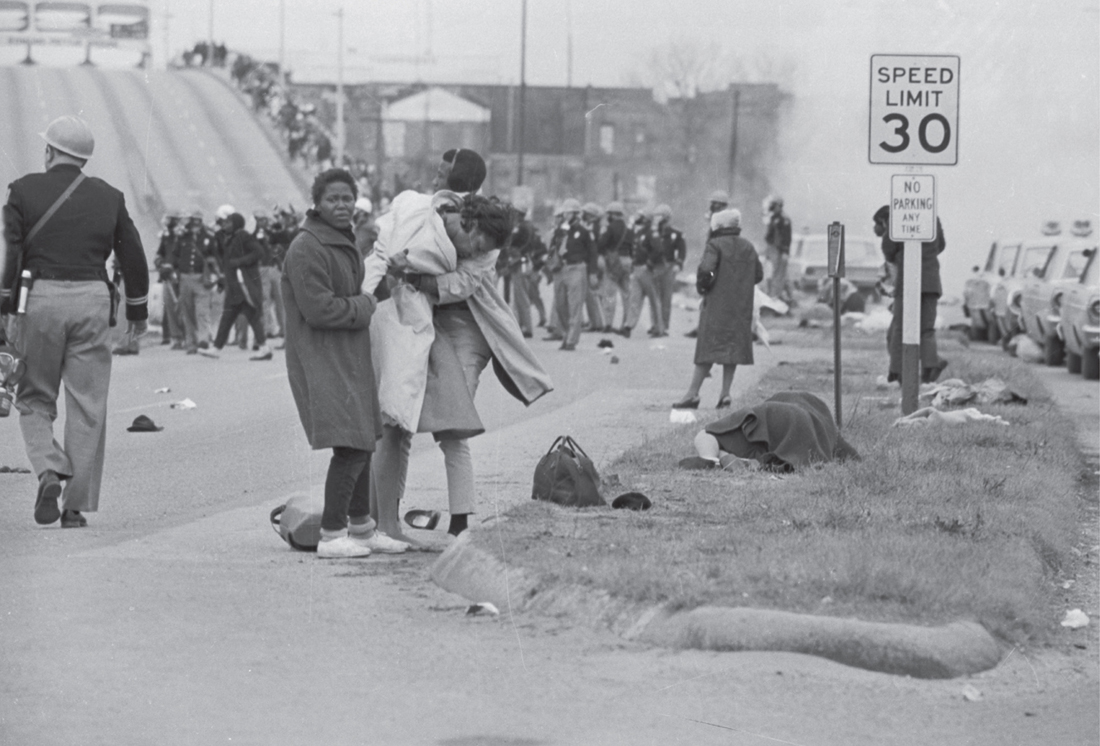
x=836 y=271
x=912 y=221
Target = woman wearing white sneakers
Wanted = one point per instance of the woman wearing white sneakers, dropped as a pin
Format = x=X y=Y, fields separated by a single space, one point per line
x=328 y=360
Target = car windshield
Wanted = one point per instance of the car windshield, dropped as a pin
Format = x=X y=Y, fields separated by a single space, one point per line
x=1034 y=256
x=857 y=251
x=1075 y=264
x=1008 y=258
x=1091 y=275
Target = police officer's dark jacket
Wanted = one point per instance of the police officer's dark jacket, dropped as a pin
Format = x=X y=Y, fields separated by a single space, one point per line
x=616 y=239
x=80 y=236
x=665 y=245
x=579 y=246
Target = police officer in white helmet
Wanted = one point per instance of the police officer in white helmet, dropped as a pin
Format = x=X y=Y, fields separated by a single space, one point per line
x=59 y=302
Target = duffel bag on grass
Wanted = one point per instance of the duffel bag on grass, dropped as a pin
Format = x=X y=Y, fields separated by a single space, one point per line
x=566 y=476
x=298 y=521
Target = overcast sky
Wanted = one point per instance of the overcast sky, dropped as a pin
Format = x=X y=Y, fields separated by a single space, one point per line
x=1029 y=127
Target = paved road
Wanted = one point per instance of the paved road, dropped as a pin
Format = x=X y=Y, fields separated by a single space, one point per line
x=178 y=617
x=177 y=140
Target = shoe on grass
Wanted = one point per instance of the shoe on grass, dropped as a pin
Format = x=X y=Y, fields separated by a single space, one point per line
x=343 y=547
x=45 y=506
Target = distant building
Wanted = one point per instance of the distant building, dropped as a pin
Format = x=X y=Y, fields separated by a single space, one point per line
x=592 y=143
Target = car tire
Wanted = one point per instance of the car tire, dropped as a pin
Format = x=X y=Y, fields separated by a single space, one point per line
x=1054 y=350
x=992 y=331
x=1090 y=365
x=1073 y=363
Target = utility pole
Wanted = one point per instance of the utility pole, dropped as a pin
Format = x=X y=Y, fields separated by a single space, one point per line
x=736 y=102
x=167 y=36
x=522 y=92
x=341 y=133
x=569 y=44
x=282 y=41
x=210 y=31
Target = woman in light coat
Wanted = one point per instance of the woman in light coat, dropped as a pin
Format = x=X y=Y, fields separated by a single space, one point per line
x=726 y=278
x=328 y=359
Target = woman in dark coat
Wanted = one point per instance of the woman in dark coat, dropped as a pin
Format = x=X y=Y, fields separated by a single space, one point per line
x=727 y=276
x=328 y=359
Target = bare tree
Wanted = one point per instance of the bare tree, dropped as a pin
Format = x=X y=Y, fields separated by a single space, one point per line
x=684 y=67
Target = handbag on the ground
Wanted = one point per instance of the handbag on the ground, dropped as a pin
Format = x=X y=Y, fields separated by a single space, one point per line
x=566 y=476
x=298 y=521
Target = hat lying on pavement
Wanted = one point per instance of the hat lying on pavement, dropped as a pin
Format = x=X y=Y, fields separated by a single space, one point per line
x=632 y=501
x=143 y=424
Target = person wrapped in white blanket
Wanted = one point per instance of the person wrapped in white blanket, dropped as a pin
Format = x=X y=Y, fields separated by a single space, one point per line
x=444 y=322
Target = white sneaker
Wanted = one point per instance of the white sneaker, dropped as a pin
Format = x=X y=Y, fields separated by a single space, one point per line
x=342 y=548
x=210 y=353
x=264 y=353
x=377 y=541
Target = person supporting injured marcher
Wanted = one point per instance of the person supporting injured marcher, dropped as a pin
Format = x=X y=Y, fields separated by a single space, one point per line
x=473 y=326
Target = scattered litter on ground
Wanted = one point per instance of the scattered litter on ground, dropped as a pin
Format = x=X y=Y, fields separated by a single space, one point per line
x=1026 y=349
x=971 y=694
x=184 y=404
x=656 y=346
x=1068 y=584
x=955 y=392
x=875 y=321
x=681 y=416
x=614 y=359
x=1075 y=619
x=882 y=383
x=934 y=417
x=605 y=343
x=164 y=390
x=761 y=301
x=482 y=608
x=14 y=470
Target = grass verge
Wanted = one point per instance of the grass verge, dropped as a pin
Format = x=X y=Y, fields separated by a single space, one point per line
x=934 y=525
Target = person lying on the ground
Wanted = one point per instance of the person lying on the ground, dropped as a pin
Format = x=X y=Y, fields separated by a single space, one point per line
x=787 y=431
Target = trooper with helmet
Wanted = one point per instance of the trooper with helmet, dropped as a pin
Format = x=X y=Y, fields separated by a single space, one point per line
x=171 y=325
x=616 y=247
x=595 y=300
x=552 y=270
x=527 y=253
x=778 y=240
x=271 y=276
x=578 y=270
x=240 y=260
x=60 y=229
x=197 y=272
x=642 y=285
x=666 y=251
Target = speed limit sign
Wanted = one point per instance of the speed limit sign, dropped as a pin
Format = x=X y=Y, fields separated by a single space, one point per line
x=914 y=109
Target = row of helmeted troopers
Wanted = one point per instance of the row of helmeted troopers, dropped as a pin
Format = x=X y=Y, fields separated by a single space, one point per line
x=594 y=256
x=190 y=262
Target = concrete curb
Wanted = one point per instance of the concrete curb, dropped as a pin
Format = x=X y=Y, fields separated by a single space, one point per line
x=951 y=650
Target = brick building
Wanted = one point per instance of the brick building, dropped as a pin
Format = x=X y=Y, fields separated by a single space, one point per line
x=592 y=143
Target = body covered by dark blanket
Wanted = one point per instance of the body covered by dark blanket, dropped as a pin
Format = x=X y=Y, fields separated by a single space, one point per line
x=787 y=431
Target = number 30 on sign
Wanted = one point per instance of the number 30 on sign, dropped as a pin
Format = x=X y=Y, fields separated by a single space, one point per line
x=914 y=109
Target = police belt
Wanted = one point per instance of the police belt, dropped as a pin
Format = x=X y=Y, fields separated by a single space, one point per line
x=71 y=274
x=457 y=306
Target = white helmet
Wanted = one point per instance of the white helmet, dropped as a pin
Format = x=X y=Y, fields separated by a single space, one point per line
x=363 y=204
x=223 y=212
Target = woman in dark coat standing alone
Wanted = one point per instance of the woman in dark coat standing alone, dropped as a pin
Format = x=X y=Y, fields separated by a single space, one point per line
x=328 y=360
x=726 y=279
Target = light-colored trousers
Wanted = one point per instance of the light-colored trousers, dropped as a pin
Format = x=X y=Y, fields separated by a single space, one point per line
x=390 y=465
x=570 y=291
x=615 y=282
x=196 y=308
x=274 y=312
x=664 y=277
x=65 y=338
x=642 y=288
